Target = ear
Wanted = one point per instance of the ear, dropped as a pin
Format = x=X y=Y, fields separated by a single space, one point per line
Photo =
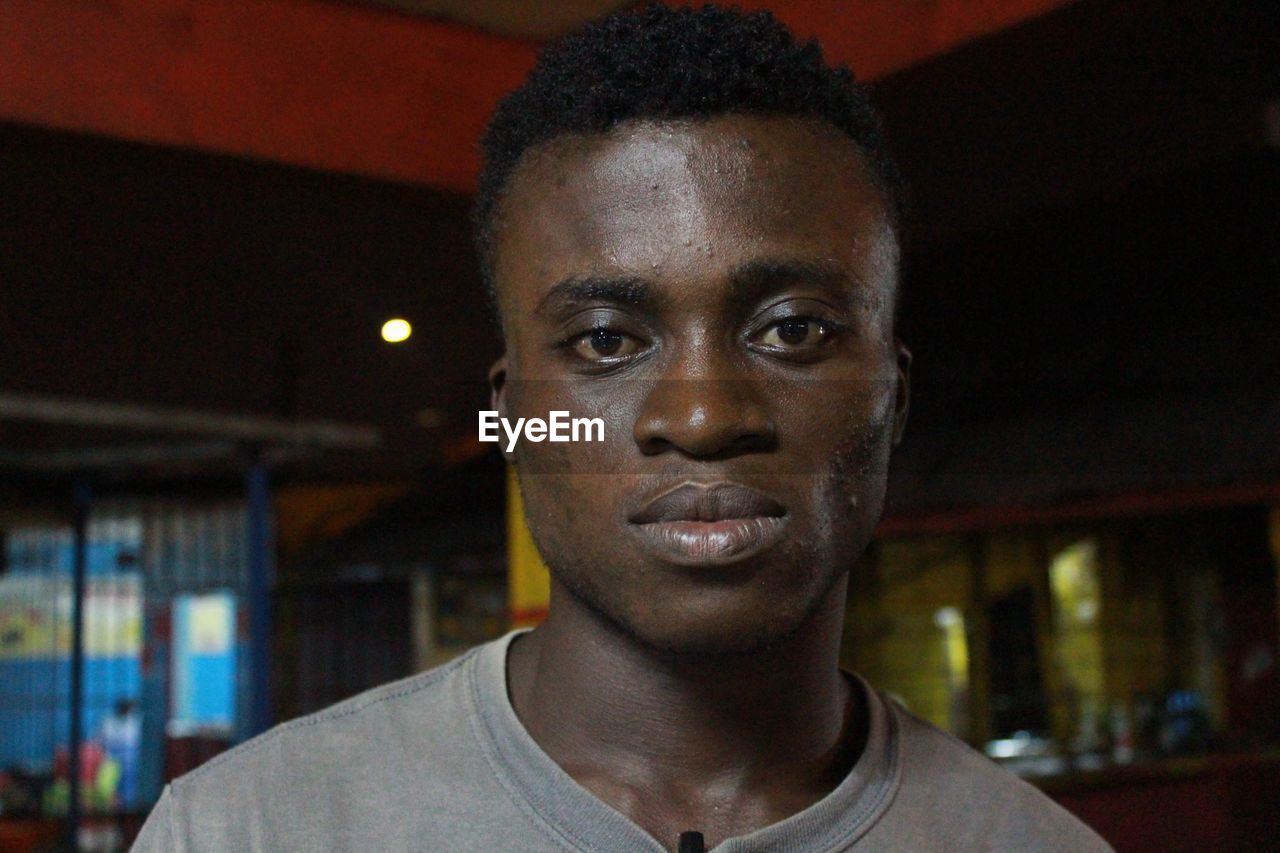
x=498 y=393
x=902 y=400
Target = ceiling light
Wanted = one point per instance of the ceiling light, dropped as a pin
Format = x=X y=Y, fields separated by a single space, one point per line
x=396 y=330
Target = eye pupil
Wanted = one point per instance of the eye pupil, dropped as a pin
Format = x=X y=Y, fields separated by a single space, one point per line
x=605 y=342
x=793 y=331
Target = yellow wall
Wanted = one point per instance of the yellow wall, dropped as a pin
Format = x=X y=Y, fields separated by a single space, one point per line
x=1125 y=612
x=905 y=630
x=529 y=583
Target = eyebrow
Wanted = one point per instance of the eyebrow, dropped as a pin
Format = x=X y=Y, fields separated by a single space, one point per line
x=624 y=290
x=748 y=283
x=757 y=278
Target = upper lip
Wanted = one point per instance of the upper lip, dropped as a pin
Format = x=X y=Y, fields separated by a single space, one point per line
x=691 y=501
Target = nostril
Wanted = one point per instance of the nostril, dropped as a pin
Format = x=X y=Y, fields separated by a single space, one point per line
x=703 y=425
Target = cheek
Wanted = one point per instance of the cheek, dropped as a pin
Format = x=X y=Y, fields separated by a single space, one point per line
x=572 y=488
x=549 y=502
x=856 y=474
x=847 y=471
x=611 y=448
x=832 y=425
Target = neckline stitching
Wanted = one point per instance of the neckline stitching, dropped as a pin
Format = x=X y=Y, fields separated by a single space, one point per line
x=870 y=814
x=490 y=749
x=866 y=817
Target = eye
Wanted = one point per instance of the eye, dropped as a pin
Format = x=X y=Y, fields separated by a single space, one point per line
x=604 y=344
x=797 y=333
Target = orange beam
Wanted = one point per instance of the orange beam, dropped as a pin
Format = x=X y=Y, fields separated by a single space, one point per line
x=349 y=88
x=333 y=86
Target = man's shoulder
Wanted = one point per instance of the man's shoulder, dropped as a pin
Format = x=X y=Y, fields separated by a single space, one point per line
x=348 y=728
x=982 y=802
x=406 y=743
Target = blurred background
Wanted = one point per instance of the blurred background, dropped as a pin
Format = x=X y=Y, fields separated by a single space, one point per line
x=231 y=492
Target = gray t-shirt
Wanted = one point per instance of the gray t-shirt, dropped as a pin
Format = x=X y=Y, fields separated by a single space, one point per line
x=440 y=762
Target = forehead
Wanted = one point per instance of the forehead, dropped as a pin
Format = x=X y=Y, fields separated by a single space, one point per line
x=687 y=200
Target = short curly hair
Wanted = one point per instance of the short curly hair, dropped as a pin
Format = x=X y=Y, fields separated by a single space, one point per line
x=659 y=62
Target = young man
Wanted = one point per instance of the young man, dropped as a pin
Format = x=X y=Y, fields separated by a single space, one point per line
x=689 y=227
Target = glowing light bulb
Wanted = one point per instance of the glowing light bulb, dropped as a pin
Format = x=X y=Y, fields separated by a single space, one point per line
x=396 y=331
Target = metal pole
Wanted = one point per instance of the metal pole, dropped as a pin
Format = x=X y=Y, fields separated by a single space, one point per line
x=81 y=501
x=261 y=567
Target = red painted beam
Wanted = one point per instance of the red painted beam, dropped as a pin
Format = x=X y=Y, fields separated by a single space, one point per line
x=349 y=88
x=1131 y=504
x=334 y=86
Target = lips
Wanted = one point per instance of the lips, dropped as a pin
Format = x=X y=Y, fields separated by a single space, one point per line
x=709 y=524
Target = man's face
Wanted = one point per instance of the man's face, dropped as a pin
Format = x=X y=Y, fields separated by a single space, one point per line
x=720 y=293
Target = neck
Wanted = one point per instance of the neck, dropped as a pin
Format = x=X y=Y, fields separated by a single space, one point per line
x=605 y=706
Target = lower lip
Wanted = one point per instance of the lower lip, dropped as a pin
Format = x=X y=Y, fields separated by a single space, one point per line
x=710 y=543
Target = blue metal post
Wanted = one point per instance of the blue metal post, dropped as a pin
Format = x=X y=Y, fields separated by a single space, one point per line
x=261 y=571
x=81 y=501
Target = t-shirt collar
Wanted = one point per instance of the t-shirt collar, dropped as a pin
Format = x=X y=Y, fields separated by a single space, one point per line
x=571 y=815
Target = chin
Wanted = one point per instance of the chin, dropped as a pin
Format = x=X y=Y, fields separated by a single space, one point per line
x=705 y=618
x=712 y=640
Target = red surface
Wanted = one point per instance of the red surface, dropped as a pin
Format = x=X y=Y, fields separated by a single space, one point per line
x=528 y=616
x=184 y=754
x=22 y=835
x=1224 y=803
x=328 y=85
x=1110 y=506
x=350 y=88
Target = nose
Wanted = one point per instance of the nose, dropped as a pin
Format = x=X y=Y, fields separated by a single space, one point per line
x=704 y=410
